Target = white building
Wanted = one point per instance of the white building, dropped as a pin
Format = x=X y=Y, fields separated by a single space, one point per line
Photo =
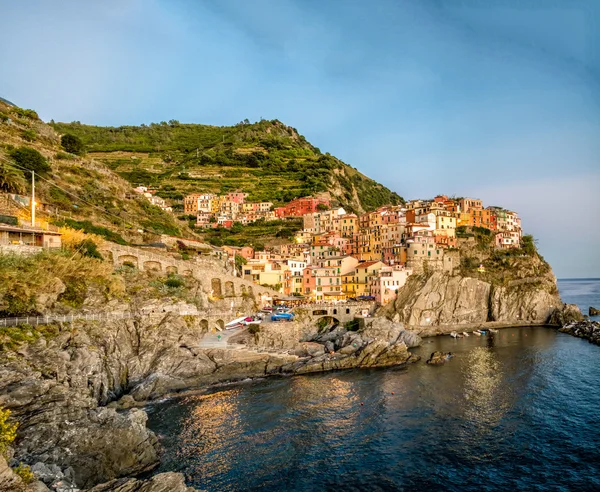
x=388 y=280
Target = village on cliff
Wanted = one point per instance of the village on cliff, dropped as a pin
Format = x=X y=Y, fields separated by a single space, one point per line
x=341 y=256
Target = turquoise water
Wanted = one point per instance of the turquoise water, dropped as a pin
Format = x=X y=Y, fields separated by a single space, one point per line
x=514 y=410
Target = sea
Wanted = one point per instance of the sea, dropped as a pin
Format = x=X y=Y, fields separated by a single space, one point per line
x=514 y=410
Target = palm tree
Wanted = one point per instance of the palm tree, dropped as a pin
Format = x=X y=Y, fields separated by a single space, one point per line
x=11 y=179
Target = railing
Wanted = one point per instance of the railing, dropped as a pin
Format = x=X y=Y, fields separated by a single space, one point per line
x=112 y=316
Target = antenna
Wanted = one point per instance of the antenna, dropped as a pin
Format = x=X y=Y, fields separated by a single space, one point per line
x=32 y=198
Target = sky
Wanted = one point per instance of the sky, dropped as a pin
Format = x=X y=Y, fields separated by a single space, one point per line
x=491 y=99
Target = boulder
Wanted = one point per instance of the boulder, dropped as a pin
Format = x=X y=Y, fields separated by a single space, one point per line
x=567 y=313
x=593 y=311
x=9 y=481
x=589 y=330
x=438 y=358
x=163 y=482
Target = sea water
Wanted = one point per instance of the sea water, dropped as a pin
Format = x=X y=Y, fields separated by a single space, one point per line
x=518 y=409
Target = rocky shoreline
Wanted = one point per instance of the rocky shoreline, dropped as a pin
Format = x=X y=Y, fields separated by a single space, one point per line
x=589 y=330
x=75 y=394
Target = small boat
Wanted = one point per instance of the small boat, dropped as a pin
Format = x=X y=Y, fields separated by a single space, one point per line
x=492 y=330
x=477 y=332
x=465 y=334
x=235 y=323
x=453 y=334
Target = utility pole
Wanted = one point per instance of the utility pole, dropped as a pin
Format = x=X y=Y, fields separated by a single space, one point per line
x=32 y=198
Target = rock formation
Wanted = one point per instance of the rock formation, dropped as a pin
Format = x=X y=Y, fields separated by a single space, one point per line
x=593 y=311
x=440 y=299
x=590 y=330
x=54 y=386
x=438 y=358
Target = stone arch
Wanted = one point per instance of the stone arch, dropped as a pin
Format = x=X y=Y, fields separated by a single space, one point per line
x=152 y=266
x=127 y=259
x=204 y=326
x=171 y=270
x=229 y=289
x=215 y=285
x=220 y=324
x=320 y=312
x=335 y=311
x=347 y=310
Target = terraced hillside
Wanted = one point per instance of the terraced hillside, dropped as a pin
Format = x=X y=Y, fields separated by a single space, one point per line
x=267 y=159
x=80 y=191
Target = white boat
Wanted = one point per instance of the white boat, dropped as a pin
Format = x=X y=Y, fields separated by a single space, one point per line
x=235 y=323
x=477 y=332
x=465 y=334
x=453 y=334
x=492 y=330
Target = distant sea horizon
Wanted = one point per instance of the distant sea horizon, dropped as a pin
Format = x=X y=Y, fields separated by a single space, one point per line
x=584 y=292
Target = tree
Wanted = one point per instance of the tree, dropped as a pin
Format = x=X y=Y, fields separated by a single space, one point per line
x=72 y=144
x=11 y=179
x=322 y=206
x=528 y=245
x=31 y=160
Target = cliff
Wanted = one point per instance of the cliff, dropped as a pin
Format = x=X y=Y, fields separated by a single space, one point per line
x=73 y=391
x=522 y=290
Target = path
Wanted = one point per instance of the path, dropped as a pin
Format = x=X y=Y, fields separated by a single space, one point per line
x=217 y=340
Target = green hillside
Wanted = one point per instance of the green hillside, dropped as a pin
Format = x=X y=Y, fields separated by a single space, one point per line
x=267 y=159
x=73 y=190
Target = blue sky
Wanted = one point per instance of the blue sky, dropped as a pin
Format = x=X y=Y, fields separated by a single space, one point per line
x=493 y=99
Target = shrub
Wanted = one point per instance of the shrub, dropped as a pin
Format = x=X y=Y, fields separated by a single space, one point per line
x=352 y=325
x=72 y=144
x=174 y=281
x=30 y=159
x=25 y=473
x=253 y=328
x=8 y=430
x=26 y=113
x=89 y=248
x=28 y=135
x=528 y=245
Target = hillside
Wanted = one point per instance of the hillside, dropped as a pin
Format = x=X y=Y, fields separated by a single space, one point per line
x=80 y=191
x=267 y=159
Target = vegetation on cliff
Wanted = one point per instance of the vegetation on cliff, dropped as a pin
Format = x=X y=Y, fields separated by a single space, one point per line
x=267 y=159
x=72 y=187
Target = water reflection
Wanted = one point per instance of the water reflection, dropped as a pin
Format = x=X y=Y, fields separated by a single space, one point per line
x=484 y=391
x=521 y=403
x=208 y=431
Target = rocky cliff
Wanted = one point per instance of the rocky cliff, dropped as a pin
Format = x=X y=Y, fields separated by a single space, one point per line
x=64 y=388
x=438 y=301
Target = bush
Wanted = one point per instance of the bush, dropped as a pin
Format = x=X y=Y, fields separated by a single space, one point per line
x=26 y=113
x=72 y=144
x=352 y=325
x=28 y=135
x=25 y=473
x=89 y=248
x=528 y=245
x=8 y=431
x=31 y=160
x=174 y=281
x=253 y=328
